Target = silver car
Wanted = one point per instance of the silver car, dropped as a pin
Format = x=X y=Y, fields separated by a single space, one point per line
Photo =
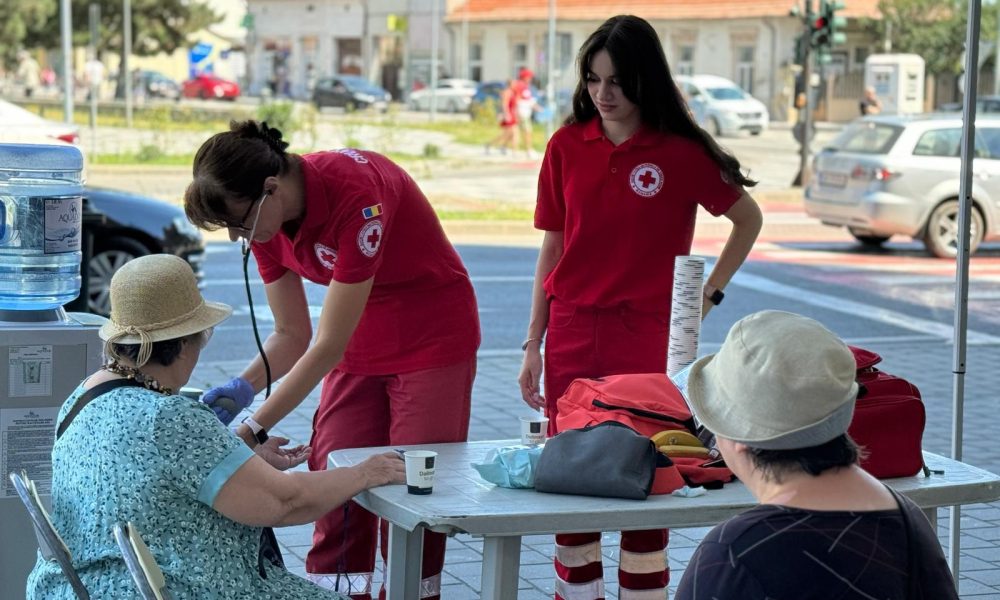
x=899 y=175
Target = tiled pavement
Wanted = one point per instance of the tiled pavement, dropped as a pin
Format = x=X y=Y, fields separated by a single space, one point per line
x=496 y=406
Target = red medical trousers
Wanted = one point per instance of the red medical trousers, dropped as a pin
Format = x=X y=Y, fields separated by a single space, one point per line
x=595 y=342
x=357 y=411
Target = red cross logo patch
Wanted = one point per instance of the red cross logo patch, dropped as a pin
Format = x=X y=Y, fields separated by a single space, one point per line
x=646 y=179
x=370 y=238
x=326 y=255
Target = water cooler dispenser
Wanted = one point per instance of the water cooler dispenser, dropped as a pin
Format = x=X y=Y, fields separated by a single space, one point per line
x=45 y=351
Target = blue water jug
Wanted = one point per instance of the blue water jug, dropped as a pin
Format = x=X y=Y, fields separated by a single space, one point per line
x=41 y=198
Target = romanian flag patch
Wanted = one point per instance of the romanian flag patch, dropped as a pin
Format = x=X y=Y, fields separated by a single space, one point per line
x=372 y=211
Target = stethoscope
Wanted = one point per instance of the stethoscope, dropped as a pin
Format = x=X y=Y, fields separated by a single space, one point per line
x=247 y=241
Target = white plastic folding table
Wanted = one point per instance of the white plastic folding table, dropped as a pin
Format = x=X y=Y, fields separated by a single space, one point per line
x=462 y=502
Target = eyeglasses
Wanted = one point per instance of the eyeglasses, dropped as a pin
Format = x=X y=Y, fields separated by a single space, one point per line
x=242 y=224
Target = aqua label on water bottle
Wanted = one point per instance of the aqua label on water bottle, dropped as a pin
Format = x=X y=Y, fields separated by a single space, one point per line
x=63 y=225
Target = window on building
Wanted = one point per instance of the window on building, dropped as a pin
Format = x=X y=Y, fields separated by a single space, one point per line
x=475 y=61
x=744 y=67
x=685 y=62
x=565 y=53
x=860 y=55
x=520 y=54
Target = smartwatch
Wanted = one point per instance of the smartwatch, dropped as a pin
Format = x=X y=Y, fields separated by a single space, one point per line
x=259 y=433
x=713 y=294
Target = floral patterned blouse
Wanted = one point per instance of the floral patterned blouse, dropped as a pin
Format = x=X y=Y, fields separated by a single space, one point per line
x=157 y=461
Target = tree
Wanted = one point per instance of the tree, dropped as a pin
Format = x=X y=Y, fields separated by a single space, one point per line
x=17 y=19
x=934 y=29
x=157 y=25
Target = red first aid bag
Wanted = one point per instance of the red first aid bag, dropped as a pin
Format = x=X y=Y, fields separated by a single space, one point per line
x=889 y=420
x=648 y=403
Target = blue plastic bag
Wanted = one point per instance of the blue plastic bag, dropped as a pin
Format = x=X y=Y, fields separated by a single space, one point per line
x=510 y=466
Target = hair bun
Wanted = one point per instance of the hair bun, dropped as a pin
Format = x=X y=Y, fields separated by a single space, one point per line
x=272 y=136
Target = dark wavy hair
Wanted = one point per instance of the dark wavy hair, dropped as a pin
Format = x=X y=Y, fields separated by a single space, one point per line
x=839 y=452
x=644 y=76
x=233 y=164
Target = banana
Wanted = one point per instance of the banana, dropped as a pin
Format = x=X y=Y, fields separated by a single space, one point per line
x=676 y=437
x=684 y=451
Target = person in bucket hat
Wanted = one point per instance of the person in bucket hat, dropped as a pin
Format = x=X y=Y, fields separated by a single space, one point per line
x=129 y=448
x=779 y=396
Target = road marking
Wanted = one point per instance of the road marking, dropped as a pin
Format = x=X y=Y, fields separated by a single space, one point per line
x=855 y=309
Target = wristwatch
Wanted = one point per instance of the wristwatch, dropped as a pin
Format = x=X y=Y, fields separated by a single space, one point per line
x=713 y=294
x=258 y=431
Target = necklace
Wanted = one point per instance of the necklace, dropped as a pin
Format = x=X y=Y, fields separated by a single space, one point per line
x=138 y=376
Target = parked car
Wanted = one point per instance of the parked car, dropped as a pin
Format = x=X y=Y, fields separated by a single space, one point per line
x=984 y=104
x=488 y=93
x=721 y=107
x=18 y=125
x=133 y=226
x=207 y=86
x=889 y=175
x=351 y=92
x=453 y=95
x=157 y=85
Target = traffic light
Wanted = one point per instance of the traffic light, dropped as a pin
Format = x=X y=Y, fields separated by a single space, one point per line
x=825 y=30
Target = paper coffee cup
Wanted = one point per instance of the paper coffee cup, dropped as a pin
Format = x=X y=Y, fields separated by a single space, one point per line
x=533 y=430
x=419 y=471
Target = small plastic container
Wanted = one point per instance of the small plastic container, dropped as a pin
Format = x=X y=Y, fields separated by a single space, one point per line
x=41 y=227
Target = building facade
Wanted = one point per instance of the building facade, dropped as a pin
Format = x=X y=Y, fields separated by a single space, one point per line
x=751 y=42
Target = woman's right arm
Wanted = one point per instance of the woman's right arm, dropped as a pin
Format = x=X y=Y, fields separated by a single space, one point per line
x=286 y=298
x=531 y=369
x=261 y=496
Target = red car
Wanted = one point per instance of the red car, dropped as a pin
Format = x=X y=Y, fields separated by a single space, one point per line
x=207 y=86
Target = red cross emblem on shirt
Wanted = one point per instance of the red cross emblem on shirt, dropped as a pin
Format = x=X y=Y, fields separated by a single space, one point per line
x=646 y=179
x=370 y=237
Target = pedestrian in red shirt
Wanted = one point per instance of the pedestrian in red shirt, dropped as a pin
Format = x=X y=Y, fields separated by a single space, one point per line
x=395 y=344
x=507 y=138
x=618 y=192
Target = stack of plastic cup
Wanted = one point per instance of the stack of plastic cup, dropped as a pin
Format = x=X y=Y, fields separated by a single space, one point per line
x=685 y=312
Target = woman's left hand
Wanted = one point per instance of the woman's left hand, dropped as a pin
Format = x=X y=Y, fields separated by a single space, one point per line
x=279 y=457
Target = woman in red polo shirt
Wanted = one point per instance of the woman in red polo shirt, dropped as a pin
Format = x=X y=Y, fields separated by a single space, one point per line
x=395 y=345
x=619 y=188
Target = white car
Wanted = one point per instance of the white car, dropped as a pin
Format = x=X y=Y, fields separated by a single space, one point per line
x=453 y=95
x=721 y=107
x=18 y=125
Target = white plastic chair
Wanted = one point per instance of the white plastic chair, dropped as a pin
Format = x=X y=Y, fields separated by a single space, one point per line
x=145 y=572
x=51 y=544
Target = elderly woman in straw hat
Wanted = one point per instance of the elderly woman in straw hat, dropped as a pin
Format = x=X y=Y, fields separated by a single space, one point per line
x=129 y=448
x=779 y=396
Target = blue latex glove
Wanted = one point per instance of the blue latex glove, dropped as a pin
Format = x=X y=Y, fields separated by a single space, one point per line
x=229 y=399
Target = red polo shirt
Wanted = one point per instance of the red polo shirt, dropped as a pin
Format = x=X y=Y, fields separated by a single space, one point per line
x=626 y=211
x=365 y=217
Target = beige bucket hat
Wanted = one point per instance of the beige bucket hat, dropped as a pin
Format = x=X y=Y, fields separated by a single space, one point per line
x=156 y=298
x=781 y=381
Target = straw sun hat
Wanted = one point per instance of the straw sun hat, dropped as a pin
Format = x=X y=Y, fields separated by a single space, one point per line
x=156 y=298
x=781 y=381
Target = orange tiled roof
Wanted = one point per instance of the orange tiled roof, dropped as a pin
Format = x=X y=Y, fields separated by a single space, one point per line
x=598 y=10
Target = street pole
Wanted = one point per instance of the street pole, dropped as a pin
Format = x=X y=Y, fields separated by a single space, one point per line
x=550 y=87
x=95 y=19
x=465 y=41
x=996 y=58
x=66 y=29
x=961 y=326
x=805 y=116
x=435 y=26
x=126 y=53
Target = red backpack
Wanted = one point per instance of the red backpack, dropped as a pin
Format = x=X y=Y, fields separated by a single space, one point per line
x=888 y=420
x=648 y=403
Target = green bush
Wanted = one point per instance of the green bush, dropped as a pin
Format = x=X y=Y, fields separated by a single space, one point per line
x=280 y=116
x=431 y=151
x=486 y=112
x=149 y=153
